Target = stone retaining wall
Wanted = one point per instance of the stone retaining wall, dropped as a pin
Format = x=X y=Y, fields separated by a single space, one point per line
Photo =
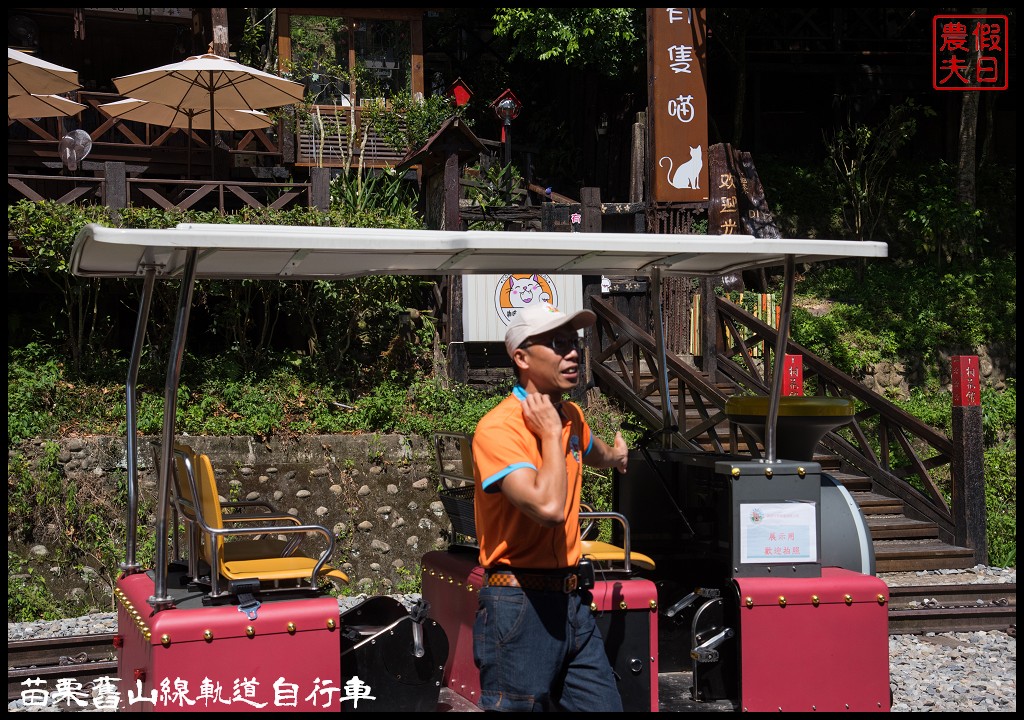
x=376 y=493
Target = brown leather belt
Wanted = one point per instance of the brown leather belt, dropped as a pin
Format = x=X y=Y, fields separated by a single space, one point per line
x=533 y=581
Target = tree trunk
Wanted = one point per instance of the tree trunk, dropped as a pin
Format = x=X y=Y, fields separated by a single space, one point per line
x=966 y=185
x=740 y=92
x=967 y=175
x=967 y=161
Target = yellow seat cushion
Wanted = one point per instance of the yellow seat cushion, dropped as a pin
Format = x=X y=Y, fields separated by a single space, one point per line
x=606 y=552
x=276 y=568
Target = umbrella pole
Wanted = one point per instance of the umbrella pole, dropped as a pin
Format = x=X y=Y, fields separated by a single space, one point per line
x=188 y=161
x=213 y=131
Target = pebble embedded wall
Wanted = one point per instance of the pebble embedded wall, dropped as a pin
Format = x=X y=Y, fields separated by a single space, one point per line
x=376 y=493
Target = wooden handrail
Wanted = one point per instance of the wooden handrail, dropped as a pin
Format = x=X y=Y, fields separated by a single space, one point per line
x=897 y=431
x=630 y=347
x=878 y=433
x=117 y=190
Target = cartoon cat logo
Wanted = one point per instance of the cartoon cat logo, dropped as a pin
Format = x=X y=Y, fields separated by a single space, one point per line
x=687 y=175
x=520 y=291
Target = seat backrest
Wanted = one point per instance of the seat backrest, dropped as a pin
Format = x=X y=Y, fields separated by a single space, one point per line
x=208 y=502
x=264 y=559
x=466 y=450
x=184 y=478
x=445 y=445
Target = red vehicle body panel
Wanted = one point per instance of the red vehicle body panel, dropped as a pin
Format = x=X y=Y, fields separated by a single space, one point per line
x=216 y=659
x=452 y=581
x=814 y=644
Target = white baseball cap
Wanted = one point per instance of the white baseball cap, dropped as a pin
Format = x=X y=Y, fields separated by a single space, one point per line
x=538 y=319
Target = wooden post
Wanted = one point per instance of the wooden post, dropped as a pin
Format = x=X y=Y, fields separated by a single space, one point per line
x=320 y=188
x=709 y=340
x=590 y=198
x=590 y=201
x=968 y=483
x=638 y=166
x=458 y=362
x=219 y=23
x=115 y=185
x=458 y=369
x=451 y=218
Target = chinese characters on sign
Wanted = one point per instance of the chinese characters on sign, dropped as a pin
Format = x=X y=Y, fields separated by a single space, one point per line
x=793 y=375
x=678 y=104
x=969 y=52
x=104 y=694
x=778 y=531
x=966 y=381
x=738 y=204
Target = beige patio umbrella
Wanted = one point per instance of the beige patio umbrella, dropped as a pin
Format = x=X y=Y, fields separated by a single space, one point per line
x=159 y=114
x=29 y=75
x=33 y=106
x=210 y=82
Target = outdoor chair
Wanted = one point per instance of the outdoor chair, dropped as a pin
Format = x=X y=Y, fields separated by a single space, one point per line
x=183 y=495
x=233 y=546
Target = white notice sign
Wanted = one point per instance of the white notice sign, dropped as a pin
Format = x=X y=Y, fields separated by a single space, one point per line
x=778 y=532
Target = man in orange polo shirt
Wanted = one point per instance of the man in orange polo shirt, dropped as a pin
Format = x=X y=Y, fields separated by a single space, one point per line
x=535 y=639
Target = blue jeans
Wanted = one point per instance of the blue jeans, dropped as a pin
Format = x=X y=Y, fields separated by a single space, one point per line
x=541 y=651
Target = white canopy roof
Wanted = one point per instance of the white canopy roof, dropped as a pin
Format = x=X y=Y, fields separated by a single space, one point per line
x=291 y=253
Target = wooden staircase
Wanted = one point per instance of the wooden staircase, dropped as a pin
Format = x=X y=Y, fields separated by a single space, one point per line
x=901 y=544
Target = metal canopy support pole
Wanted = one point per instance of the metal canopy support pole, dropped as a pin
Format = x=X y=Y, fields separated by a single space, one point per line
x=130 y=565
x=667 y=413
x=781 y=342
x=160 y=599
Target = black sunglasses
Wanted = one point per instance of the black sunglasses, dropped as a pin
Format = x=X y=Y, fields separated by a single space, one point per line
x=561 y=344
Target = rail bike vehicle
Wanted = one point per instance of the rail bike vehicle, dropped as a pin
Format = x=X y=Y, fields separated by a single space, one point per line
x=753 y=575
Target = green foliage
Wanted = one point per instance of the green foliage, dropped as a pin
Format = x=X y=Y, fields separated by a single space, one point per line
x=45 y=231
x=424 y=407
x=33 y=376
x=936 y=226
x=860 y=158
x=803 y=198
x=257 y=405
x=934 y=406
x=406 y=122
x=999 y=412
x=491 y=185
x=605 y=38
x=1001 y=504
x=899 y=311
x=258 y=47
x=316 y=60
x=28 y=598
x=409 y=582
x=837 y=339
x=81 y=525
x=605 y=419
x=385 y=194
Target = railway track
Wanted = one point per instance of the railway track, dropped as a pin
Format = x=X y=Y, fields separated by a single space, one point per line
x=81 y=658
x=915 y=609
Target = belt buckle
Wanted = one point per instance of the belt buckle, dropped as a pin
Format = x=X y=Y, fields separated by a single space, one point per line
x=569 y=583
